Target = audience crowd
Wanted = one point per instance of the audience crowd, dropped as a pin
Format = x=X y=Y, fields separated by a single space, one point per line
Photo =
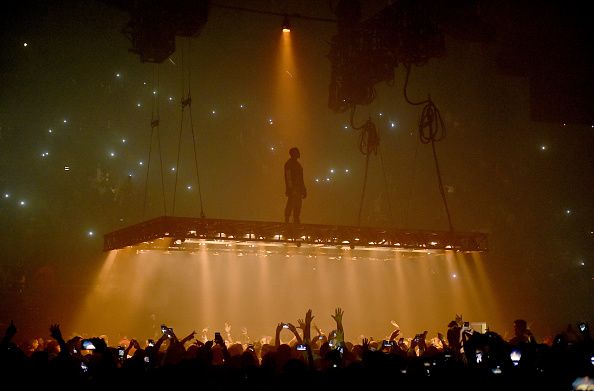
x=463 y=359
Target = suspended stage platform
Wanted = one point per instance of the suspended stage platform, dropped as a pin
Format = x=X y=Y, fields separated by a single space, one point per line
x=186 y=232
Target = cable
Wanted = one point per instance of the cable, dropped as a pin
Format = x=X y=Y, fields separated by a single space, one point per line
x=431 y=130
x=202 y=215
x=388 y=195
x=368 y=144
x=154 y=125
x=187 y=101
x=184 y=103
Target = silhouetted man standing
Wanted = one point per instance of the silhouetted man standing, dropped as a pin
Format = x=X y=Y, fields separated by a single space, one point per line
x=295 y=188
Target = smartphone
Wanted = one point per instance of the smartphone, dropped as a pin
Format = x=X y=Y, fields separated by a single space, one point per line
x=147 y=359
x=582 y=327
x=164 y=328
x=466 y=325
x=285 y=326
x=301 y=347
x=83 y=367
x=387 y=344
x=479 y=356
x=121 y=352
x=515 y=357
x=218 y=336
x=87 y=344
x=151 y=342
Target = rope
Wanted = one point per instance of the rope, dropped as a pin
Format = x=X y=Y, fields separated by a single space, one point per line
x=431 y=130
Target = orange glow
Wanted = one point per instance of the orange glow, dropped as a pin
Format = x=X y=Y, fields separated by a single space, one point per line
x=257 y=286
x=286 y=30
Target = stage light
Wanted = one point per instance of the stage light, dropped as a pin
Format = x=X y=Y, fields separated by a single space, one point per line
x=286 y=25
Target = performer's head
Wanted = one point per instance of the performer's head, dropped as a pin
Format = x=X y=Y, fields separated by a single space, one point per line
x=294 y=152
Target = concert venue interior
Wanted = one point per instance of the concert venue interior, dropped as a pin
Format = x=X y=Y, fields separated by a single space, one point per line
x=447 y=160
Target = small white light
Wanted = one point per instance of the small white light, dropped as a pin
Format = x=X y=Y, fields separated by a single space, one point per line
x=112 y=154
x=138 y=104
x=170 y=99
x=65 y=121
x=327 y=179
x=345 y=126
x=189 y=187
x=272 y=148
x=118 y=75
x=454 y=275
x=392 y=124
x=213 y=111
x=582 y=263
x=381 y=114
x=50 y=131
x=241 y=106
x=25 y=44
x=144 y=82
x=140 y=163
x=568 y=211
x=154 y=92
x=172 y=168
x=6 y=195
x=123 y=141
x=270 y=121
x=22 y=203
x=346 y=171
x=66 y=168
x=90 y=233
x=331 y=171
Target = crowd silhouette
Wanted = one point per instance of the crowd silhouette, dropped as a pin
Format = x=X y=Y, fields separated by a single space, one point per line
x=463 y=359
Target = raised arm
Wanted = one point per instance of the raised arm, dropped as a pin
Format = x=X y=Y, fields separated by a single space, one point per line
x=307 y=329
x=9 y=333
x=293 y=329
x=188 y=337
x=338 y=313
x=279 y=328
x=57 y=335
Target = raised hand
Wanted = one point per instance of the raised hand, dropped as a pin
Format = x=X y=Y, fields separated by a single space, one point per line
x=227 y=328
x=293 y=328
x=365 y=344
x=394 y=334
x=338 y=313
x=55 y=332
x=10 y=330
x=301 y=324
x=320 y=332
x=279 y=327
x=308 y=317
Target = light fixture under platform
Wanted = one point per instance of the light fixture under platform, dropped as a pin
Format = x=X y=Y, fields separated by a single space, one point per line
x=185 y=232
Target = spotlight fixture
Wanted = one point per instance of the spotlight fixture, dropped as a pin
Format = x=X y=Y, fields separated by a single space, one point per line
x=286 y=25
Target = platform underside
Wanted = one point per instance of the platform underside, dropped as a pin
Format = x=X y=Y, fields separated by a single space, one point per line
x=187 y=231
